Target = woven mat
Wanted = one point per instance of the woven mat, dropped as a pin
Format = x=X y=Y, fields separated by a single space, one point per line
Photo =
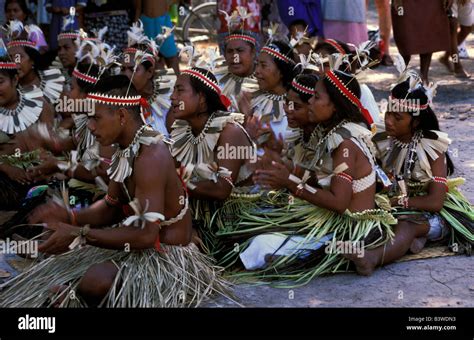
x=429 y=252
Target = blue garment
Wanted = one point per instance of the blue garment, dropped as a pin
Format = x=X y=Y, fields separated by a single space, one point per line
x=308 y=10
x=153 y=27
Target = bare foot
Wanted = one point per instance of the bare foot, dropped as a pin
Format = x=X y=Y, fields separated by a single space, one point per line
x=364 y=265
x=417 y=245
x=269 y=258
x=445 y=61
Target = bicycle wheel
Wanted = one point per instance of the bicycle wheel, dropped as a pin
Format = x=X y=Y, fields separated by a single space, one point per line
x=201 y=24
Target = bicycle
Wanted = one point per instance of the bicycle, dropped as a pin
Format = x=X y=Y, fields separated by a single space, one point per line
x=200 y=22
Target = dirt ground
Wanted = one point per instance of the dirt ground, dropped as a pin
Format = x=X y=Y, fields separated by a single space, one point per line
x=435 y=282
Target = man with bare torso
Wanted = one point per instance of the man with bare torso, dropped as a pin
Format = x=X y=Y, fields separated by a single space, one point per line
x=153 y=182
x=154 y=15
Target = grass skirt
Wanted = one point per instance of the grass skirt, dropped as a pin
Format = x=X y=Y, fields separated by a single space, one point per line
x=457 y=211
x=174 y=277
x=282 y=213
x=212 y=217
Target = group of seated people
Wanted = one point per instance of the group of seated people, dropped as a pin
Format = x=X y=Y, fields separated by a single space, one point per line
x=162 y=189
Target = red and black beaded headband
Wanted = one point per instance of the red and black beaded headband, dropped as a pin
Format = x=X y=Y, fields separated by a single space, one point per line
x=122 y=100
x=276 y=53
x=21 y=43
x=205 y=80
x=336 y=45
x=85 y=77
x=209 y=83
x=8 y=66
x=68 y=35
x=240 y=36
x=114 y=100
x=333 y=78
x=302 y=88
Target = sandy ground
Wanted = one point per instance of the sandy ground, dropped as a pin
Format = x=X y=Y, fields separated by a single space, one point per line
x=434 y=282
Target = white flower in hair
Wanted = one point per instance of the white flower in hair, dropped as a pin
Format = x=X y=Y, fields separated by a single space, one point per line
x=363 y=52
x=231 y=19
x=88 y=49
x=243 y=14
x=306 y=63
x=14 y=29
x=82 y=33
x=431 y=91
x=272 y=31
x=160 y=38
x=297 y=38
x=318 y=60
x=99 y=34
x=33 y=32
x=191 y=53
x=136 y=34
x=337 y=59
x=106 y=57
x=406 y=73
x=213 y=58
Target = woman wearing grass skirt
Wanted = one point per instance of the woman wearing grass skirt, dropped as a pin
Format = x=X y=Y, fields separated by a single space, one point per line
x=126 y=265
x=211 y=147
x=413 y=152
x=334 y=184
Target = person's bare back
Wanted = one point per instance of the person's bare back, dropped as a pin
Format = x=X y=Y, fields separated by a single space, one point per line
x=153 y=8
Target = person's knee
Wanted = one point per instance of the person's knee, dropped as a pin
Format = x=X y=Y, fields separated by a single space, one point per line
x=98 y=279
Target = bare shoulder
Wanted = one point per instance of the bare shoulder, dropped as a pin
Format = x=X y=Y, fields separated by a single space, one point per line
x=347 y=148
x=233 y=133
x=153 y=157
x=47 y=114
